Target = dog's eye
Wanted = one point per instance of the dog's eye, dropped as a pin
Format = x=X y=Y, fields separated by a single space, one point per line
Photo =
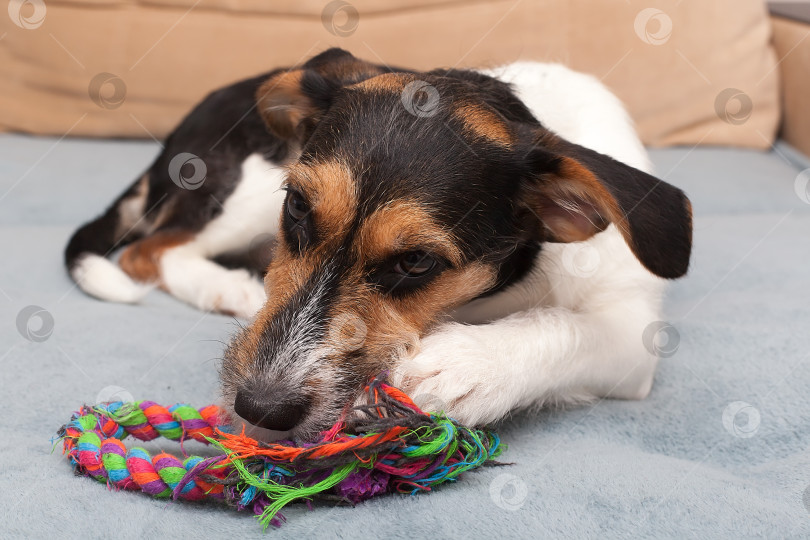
x=298 y=226
x=297 y=207
x=407 y=272
x=414 y=264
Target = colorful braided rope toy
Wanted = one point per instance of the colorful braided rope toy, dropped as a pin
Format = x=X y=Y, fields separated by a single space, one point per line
x=393 y=446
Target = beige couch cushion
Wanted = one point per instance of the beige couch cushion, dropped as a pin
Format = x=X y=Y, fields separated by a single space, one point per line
x=793 y=49
x=672 y=63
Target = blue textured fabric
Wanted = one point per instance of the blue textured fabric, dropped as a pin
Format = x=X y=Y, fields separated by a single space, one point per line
x=721 y=449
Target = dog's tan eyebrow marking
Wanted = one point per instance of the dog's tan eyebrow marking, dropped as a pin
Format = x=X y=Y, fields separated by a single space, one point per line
x=387 y=82
x=331 y=189
x=401 y=226
x=480 y=121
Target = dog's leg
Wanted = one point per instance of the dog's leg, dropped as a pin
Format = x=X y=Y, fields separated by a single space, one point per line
x=479 y=373
x=194 y=279
x=172 y=260
x=180 y=262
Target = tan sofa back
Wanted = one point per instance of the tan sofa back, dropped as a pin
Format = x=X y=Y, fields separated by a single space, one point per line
x=690 y=72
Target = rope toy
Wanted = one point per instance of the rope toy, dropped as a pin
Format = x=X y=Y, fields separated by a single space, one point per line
x=392 y=446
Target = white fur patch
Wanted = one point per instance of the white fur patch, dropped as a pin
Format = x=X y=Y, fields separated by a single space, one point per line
x=252 y=209
x=577 y=107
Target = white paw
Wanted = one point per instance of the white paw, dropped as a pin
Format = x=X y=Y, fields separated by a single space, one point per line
x=457 y=371
x=239 y=293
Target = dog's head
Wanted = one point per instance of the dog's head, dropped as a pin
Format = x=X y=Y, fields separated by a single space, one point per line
x=414 y=193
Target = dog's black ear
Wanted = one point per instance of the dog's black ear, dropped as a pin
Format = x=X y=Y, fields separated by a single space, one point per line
x=291 y=102
x=577 y=192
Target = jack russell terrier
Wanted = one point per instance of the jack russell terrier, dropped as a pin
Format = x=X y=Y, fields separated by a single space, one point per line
x=493 y=239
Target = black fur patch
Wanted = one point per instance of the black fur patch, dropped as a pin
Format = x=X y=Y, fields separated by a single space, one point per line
x=223 y=130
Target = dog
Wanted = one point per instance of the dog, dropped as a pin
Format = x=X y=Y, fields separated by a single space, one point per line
x=492 y=239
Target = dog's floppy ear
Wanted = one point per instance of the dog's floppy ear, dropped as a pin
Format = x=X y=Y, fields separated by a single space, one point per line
x=577 y=192
x=291 y=102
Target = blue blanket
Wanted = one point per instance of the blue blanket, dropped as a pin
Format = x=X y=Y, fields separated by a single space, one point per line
x=719 y=449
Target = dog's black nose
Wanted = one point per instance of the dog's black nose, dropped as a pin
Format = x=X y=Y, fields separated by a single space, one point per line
x=269 y=410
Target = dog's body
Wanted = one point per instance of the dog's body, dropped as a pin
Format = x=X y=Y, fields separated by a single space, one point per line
x=495 y=324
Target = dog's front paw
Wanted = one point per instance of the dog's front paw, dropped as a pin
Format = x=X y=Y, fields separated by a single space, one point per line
x=455 y=370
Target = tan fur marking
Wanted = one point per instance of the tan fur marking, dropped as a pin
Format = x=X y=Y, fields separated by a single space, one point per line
x=332 y=192
x=141 y=260
x=481 y=121
x=401 y=226
x=387 y=82
x=285 y=275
